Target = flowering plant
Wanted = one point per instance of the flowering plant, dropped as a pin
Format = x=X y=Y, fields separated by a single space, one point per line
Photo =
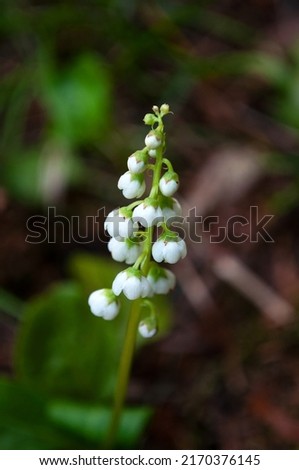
x=132 y=241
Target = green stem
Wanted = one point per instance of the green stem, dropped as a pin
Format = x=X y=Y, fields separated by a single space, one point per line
x=148 y=250
x=123 y=374
x=127 y=354
x=158 y=165
x=168 y=164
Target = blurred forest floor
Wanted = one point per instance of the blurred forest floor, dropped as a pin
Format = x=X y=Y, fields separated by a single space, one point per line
x=225 y=376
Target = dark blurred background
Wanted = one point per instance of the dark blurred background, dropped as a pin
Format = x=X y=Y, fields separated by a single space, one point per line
x=76 y=81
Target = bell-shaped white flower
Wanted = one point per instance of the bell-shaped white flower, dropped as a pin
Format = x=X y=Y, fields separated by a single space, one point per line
x=148 y=213
x=103 y=303
x=119 y=225
x=169 y=183
x=169 y=249
x=170 y=207
x=132 y=284
x=161 y=280
x=131 y=184
x=137 y=162
x=147 y=329
x=153 y=140
x=124 y=250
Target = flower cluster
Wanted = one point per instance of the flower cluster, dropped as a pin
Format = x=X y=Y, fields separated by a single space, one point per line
x=131 y=229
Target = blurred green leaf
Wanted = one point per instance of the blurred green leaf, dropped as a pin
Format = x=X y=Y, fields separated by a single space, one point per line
x=285 y=199
x=223 y=26
x=21 y=176
x=271 y=68
x=10 y=304
x=64 y=350
x=92 y=422
x=24 y=423
x=79 y=99
x=92 y=271
x=41 y=174
x=287 y=105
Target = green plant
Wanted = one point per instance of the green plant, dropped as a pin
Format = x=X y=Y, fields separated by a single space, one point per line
x=132 y=231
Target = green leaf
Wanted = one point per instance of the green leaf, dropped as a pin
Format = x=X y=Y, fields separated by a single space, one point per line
x=21 y=176
x=92 y=422
x=41 y=174
x=79 y=99
x=24 y=423
x=271 y=68
x=10 y=304
x=62 y=349
x=92 y=271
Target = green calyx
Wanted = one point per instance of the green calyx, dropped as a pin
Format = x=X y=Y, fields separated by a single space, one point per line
x=171 y=176
x=133 y=272
x=151 y=201
x=126 y=212
x=150 y=323
x=156 y=272
x=165 y=202
x=110 y=296
x=137 y=177
x=130 y=242
x=141 y=155
x=168 y=235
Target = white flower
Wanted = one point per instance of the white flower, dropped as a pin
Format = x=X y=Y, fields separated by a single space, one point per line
x=152 y=153
x=146 y=330
x=169 y=183
x=153 y=140
x=131 y=184
x=137 y=162
x=117 y=225
x=124 y=250
x=132 y=284
x=161 y=280
x=103 y=303
x=147 y=213
x=169 y=250
x=171 y=208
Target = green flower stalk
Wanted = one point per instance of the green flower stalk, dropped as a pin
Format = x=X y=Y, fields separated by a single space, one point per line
x=132 y=241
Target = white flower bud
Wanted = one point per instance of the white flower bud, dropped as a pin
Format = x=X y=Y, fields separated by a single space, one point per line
x=124 y=250
x=147 y=213
x=161 y=280
x=170 y=208
x=164 y=109
x=168 y=250
x=149 y=119
x=132 y=284
x=132 y=185
x=146 y=329
x=152 y=153
x=118 y=225
x=103 y=303
x=169 y=183
x=137 y=162
x=153 y=140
